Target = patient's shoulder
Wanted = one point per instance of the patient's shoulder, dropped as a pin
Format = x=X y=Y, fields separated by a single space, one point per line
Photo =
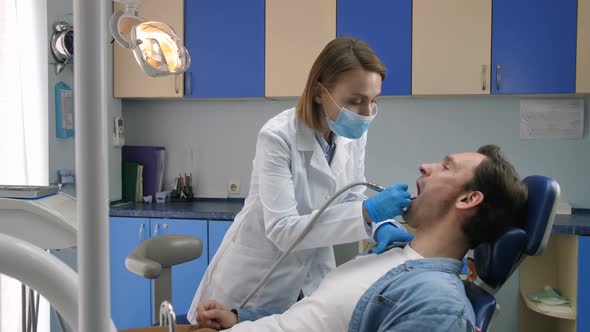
x=432 y=291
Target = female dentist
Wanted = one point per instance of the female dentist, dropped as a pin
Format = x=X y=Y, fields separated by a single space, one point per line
x=303 y=156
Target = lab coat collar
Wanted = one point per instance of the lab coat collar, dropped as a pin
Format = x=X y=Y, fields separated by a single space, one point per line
x=306 y=141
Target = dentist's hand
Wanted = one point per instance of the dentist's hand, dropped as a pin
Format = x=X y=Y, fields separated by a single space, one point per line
x=387 y=234
x=389 y=203
x=212 y=314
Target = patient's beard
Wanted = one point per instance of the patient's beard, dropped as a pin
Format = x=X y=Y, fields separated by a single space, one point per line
x=427 y=209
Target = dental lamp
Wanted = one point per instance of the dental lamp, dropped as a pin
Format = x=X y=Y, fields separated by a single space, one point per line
x=157 y=48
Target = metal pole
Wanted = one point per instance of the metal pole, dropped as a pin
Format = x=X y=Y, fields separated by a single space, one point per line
x=91 y=44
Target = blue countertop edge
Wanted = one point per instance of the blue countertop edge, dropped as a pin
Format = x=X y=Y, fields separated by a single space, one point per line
x=578 y=223
x=201 y=208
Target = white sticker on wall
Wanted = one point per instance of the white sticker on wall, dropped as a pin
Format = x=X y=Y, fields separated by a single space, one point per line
x=551 y=118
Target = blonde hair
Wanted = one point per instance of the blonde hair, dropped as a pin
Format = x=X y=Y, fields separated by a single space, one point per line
x=340 y=55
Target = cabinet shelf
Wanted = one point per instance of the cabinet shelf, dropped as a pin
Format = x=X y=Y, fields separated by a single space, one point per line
x=534 y=306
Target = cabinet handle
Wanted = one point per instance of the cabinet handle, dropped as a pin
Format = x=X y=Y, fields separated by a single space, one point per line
x=156 y=229
x=188 y=83
x=498 y=76
x=483 y=77
x=176 y=85
x=140 y=232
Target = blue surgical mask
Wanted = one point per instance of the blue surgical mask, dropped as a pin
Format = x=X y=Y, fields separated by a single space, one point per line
x=349 y=124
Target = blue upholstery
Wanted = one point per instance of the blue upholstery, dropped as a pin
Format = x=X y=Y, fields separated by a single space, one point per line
x=543 y=197
x=495 y=262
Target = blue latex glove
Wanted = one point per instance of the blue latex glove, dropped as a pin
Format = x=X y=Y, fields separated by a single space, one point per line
x=389 y=203
x=387 y=234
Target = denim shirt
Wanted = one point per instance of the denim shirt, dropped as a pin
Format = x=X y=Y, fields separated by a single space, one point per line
x=419 y=295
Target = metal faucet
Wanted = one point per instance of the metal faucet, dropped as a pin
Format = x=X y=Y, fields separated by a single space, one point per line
x=167 y=316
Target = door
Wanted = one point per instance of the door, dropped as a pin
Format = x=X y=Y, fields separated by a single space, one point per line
x=534 y=46
x=451 y=41
x=226 y=41
x=217 y=230
x=296 y=33
x=130 y=294
x=583 y=54
x=387 y=27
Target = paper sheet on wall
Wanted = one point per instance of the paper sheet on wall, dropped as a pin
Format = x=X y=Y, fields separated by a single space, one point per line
x=551 y=118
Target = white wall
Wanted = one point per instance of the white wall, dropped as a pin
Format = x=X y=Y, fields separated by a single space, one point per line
x=61 y=150
x=215 y=140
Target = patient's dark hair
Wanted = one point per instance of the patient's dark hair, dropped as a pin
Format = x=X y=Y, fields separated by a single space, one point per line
x=505 y=198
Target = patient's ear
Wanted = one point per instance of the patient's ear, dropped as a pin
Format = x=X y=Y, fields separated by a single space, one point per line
x=469 y=200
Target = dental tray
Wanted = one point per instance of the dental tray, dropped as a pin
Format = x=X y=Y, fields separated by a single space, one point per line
x=27 y=191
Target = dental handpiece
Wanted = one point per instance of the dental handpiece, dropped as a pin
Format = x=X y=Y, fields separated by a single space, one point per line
x=374 y=186
x=379 y=189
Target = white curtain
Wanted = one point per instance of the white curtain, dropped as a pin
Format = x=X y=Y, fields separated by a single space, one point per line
x=23 y=121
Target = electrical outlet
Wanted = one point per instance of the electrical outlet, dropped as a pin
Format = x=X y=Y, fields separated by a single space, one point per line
x=233 y=187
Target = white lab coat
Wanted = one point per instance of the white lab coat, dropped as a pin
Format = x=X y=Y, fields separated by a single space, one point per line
x=290 y=181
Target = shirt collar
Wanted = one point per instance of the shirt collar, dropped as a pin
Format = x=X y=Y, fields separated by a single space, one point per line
x=323 y=143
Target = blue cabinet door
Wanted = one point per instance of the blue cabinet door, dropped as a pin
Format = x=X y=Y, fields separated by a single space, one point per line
x=387 y=27
x=130 y=294
x=225 y=39
x=186 y=277
x=534 y=46
x=217 y=230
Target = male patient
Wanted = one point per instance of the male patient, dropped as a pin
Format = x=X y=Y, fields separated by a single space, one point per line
x=462 y=201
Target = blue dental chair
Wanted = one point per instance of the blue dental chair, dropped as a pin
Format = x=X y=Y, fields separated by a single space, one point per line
x=495 y=262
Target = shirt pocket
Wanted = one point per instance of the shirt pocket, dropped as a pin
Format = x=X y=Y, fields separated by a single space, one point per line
x=383 y=301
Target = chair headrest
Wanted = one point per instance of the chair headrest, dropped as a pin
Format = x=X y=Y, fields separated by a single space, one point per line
x=542 y=203
x=495 y=261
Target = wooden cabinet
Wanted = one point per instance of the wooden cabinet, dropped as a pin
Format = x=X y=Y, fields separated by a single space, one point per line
x=226 y=41
x=451 y=47
x=265 y=48
x=296 y=32
x=386 y=26
x=534 y=46
x=564 y=267
x=583 y=54
x=129 y=81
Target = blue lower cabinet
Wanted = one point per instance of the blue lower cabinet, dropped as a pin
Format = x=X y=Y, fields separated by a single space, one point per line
x=186 y=277
x=130 y=294
x=217 y=230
